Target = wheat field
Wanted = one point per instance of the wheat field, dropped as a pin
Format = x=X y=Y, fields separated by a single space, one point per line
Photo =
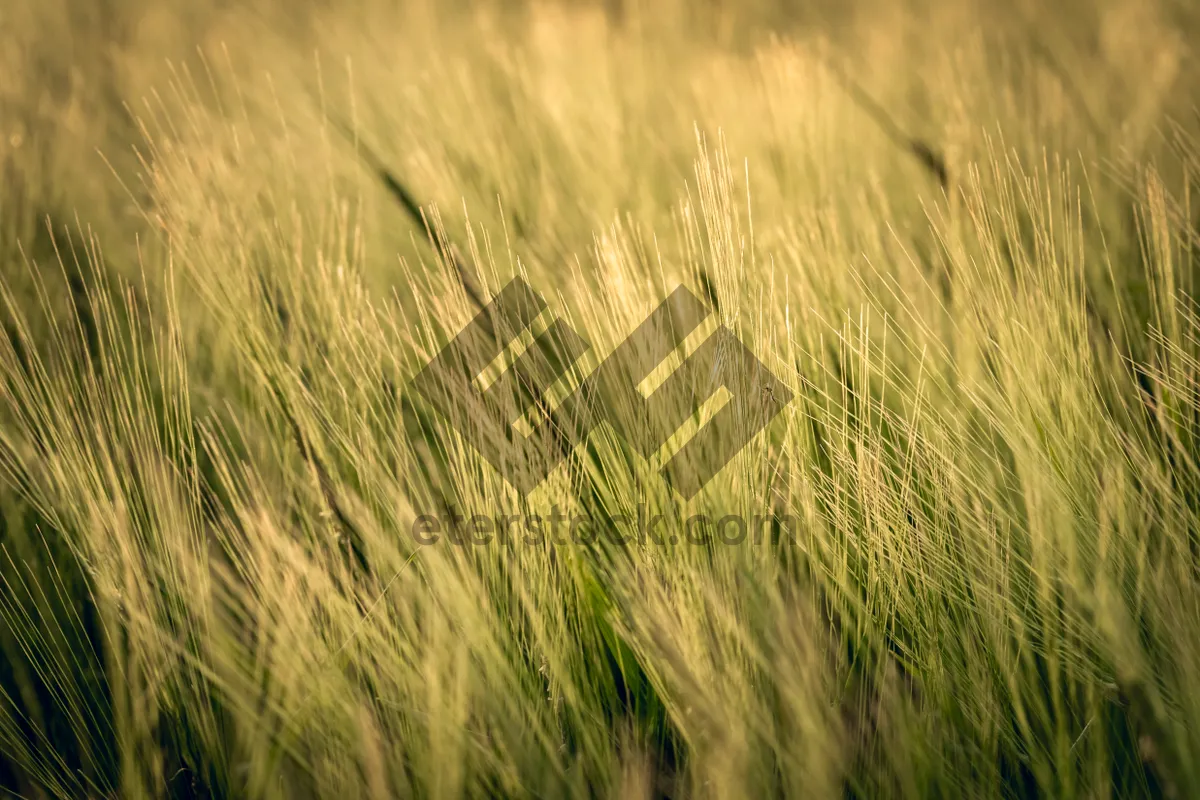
x=962 y=237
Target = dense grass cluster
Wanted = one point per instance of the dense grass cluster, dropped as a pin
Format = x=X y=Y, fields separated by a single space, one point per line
x=964 y=239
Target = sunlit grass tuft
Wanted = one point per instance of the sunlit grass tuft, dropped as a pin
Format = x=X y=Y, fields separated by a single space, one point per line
x=977 y=571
